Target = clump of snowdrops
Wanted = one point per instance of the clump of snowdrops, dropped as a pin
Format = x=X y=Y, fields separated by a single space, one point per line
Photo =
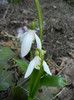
x=37 y=69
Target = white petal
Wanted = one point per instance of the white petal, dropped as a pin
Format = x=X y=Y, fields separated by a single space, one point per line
x=26 y=44
x=46 y=68
x=37 y=62
x=30 y=68
x=38 y=42
x=21 y=34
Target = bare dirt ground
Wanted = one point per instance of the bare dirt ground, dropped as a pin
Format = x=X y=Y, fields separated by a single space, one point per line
x=58 y=37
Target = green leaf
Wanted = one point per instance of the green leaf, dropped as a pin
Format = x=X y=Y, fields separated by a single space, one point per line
x=4 y=86
x=29 y=98
x=5 y=54
x=18 y=93
x=9 y=1
x=1 y=69
x=40 y=18
x=16 y=1
x=53 y=81
x=34 y=83
x=23 y=65
x=5 y=76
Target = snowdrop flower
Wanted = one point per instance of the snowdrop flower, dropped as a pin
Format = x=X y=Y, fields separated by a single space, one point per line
x=35 y=63
x=27 y=40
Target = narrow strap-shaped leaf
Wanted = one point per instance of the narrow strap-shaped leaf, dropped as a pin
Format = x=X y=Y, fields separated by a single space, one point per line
x=23 y=65
x=40 y=18
x=34 y=83
x=53 y=81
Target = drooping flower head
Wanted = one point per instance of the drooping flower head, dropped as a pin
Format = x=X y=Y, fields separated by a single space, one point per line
x=27 y=40
x=35 y=63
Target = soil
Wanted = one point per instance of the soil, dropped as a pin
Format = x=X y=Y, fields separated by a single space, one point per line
x=58 y=34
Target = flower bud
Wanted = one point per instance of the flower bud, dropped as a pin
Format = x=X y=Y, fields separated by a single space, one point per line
x=42 y=53
x=36 y=53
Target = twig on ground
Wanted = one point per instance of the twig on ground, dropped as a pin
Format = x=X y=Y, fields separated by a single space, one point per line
x=6 y=12
x=10 y=36
x=25 y=23
x=23 y=82
x=65 y=66
x=54 y=63
x=58 y=94
x=62 y=69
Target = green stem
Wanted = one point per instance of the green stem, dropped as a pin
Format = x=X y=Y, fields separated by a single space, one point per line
x=31 y=55
x=41 y=36
x=40 y=18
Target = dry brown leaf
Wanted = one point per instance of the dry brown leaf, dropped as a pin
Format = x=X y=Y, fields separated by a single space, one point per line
x=10 y=44
x=71 y=54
